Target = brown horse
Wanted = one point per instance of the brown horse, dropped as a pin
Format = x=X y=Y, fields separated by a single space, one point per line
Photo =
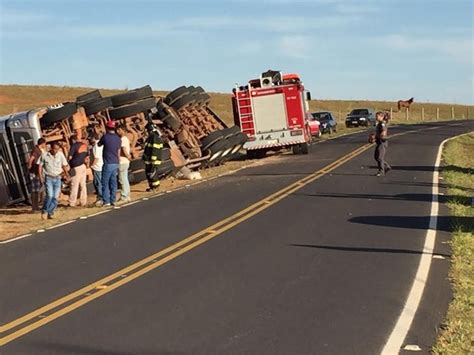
x=405 y=103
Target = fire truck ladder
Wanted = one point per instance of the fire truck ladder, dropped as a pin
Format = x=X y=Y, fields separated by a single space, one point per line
x=244 y=108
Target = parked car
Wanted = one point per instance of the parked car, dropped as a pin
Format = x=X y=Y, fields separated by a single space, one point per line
x=361 y=117
x=314 y=125
x=327 y=122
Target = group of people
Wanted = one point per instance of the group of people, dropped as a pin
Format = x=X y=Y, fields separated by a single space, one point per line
x=108 y=157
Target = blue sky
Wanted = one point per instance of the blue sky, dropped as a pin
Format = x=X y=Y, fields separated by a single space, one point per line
x=366 y=49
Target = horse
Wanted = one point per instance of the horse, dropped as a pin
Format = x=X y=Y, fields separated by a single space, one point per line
x=405 y=103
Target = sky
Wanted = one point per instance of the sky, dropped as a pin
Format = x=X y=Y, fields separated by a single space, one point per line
x=359 y=49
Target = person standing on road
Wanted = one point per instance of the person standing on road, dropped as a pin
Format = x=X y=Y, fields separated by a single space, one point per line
x=111 y=153
x=125 y=158
x=153 y=145
x=37 y=190
x=78 y=160
x=96 y=166
x=52 y=165
x=381 y=144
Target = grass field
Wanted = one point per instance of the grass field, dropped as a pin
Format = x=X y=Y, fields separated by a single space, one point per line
x=458 y=174
x=14 y=98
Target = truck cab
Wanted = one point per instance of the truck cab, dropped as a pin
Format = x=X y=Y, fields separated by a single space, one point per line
x=272 y=111
x=19 y=133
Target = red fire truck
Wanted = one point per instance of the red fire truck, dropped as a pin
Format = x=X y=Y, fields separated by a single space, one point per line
x=273 y=112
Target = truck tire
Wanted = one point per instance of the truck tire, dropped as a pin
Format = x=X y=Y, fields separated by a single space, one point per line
x=132 y=96
x=199 y=89
x=58 y=114
x=147 y=104
x=239 y=139
x=256 y=153
x=176 y=94
x=231 y=131
x=202 y=99
x=217 y=149
x=165 y=168
x=172 y=122
x=304 y=147
x=164 y=154
x=90 y=96
x=183 y=102
x=125 y=111
x=97 y=105
x=210 y=139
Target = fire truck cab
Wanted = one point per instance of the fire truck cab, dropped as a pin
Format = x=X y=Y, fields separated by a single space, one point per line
x=273 y=112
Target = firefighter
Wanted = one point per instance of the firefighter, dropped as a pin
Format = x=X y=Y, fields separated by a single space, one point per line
x=382 y=143
x=153 y=145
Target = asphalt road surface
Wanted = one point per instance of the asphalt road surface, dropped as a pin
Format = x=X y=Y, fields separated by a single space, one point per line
x=304 y=255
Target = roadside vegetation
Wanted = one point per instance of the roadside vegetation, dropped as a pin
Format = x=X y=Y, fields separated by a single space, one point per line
x=458 y=333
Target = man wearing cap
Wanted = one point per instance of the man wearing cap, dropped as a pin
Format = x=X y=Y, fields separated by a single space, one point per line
x=110 y=155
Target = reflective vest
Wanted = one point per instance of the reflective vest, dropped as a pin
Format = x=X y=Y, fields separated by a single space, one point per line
x=153 y=145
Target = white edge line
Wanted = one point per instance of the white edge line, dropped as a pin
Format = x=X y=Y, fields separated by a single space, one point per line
x=16 y=238
x=61 y=224
x=399 y=332
x=98 y=213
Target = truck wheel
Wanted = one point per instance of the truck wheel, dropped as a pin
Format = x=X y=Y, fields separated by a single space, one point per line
x=165 y=168
x=296 y=149
x=124 y=111
x=90 y=96
x=147 y=104
x=172 y=122
x=164 y=154
x=97 y=105
x=217 y=149
x=304 y=147
x=210 y=139
x=132 y=96
x=58 y=114
x=182 y=102
x=231 y=131
x=202 y=99
x=176 y=94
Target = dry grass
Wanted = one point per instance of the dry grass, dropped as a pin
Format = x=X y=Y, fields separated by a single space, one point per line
x=458 y=334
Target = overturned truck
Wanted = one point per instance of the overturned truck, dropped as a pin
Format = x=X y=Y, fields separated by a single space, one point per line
x=194 y=134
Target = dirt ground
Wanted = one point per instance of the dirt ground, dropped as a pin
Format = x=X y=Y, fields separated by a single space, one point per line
x=19 y=220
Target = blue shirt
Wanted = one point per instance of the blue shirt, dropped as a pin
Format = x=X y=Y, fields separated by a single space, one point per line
x=112 y=144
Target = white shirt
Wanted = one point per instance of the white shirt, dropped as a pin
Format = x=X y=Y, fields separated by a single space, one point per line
x=126 y=147
x=98 y=161
x=53 y=164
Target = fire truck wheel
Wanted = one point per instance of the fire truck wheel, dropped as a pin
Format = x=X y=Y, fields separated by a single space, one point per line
x=132 y=96
x=304 y=148
x=90 y=96
x=172 y=122
x=210 y=139
x=97 y=105
x=256 y=153
x=176 y=94
x=183 y=102
x=296 y=149
x=58 y=114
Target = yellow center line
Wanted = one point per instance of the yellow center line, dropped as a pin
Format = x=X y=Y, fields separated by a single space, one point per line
x=139 y=268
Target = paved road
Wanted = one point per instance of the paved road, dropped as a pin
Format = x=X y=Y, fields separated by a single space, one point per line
x=324 y=268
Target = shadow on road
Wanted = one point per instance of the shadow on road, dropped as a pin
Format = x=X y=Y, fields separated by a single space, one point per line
x=364 y=249
x=445 y=223
x=464 y=200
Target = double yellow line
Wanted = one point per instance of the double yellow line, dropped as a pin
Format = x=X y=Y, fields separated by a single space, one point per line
x=68 y=303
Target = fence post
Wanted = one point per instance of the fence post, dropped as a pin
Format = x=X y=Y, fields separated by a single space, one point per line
x=422 y=113
x=437 y=113
x=468 y=113
x=452 y=112
x=391 y=113
x=340 y=116
x=407 y=114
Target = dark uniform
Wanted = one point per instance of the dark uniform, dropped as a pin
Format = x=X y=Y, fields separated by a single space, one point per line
x=381 y=148
x=151 y=154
